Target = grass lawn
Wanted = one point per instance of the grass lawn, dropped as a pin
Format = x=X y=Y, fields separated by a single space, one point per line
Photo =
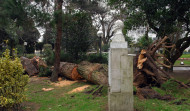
x=160 y=105
x=185 y=56
x=186 y=63
x=59 y=99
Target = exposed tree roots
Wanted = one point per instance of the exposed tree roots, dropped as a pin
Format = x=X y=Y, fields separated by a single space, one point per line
x=147 y=67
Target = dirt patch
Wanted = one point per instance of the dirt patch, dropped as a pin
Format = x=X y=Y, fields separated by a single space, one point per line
x=36 y=79
x=30 y=106
x=79 y=89
x=64 y=83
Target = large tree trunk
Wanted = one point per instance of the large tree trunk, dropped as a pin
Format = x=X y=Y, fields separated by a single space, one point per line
x=54 y=76
x=69 y=70
x=94 y=72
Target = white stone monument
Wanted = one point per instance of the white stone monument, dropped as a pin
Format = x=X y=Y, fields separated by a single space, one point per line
x=120 y=97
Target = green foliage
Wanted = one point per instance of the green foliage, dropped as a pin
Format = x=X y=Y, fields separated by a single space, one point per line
x=20 y=49
x=48 y=54
x=143 y=43
x=105 y=47
x=76 y=33
x=129 y=40
x=30 y=56
x=170 y=86
x=44 y=72
x=66 y=57
x=97 y=58
x=39 y=46
x=12 y=81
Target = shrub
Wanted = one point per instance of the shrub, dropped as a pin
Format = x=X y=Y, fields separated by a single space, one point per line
x=105 y=48
x=48 y=54
x=97 y=58
x=12 y=82
x=65 y=57
x=20 y=49
x=44 y=71
x=30 y=56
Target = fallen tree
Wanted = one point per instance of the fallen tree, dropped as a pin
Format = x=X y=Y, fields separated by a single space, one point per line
x=69 y=70
x=31 y=66
x=148 y=71
x=94 y=72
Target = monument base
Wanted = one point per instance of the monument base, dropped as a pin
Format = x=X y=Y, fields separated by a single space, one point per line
x=120 y=102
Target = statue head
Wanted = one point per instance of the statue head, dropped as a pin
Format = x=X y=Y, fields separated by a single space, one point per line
x=118 y=34
x=118 y=25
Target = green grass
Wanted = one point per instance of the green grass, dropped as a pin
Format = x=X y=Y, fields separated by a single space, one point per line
x=59 y=100
x=186 y=63
x=185 y=56
x=160 y=105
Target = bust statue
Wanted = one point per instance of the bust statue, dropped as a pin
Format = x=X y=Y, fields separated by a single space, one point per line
x=118 y=34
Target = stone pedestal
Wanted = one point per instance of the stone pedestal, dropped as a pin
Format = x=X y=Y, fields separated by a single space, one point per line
x=120 y=97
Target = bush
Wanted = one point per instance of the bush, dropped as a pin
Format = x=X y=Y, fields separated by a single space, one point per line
x=48 y=54
x=20 y=49
x=30 y=56
x=97 y=58
x=12 y=82
x=66 y=57
x=105 y=48
x=44 y=71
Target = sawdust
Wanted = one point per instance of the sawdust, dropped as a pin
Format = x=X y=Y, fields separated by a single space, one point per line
x=64 y=83
x=47 y=89
x=79 y=89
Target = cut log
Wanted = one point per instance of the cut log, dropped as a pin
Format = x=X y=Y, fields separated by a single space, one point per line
x=69 y=70
x=37 y=62
x=94 y=72
x=28 y=66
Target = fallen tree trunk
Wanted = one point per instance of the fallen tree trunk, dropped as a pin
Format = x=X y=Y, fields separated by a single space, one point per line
x=28 y=66
x=37 y=62
x=94 y=72
x=69 y=70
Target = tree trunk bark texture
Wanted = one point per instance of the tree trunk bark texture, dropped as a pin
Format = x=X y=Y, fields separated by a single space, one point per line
x=55 y=73
x=94 y=72
x=69 y=70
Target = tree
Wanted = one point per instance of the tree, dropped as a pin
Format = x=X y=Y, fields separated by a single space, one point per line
x=103 y=17
x=167 y=18
x=58 y=19
x=143 y=43
x=17 y=24
x=77 y=35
